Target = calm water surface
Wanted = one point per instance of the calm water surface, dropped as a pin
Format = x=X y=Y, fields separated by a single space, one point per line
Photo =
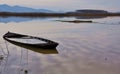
x=84 y=48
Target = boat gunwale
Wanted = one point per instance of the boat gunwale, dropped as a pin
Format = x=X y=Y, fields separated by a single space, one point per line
x=48 y=44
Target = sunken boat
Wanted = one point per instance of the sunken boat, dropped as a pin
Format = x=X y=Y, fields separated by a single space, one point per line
x=30 y=41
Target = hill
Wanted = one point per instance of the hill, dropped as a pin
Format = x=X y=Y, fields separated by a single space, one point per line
x=7 y=8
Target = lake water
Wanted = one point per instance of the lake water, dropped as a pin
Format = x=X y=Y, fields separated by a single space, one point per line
x=84 y=48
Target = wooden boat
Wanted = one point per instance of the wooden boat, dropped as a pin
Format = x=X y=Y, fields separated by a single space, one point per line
x=30 y=41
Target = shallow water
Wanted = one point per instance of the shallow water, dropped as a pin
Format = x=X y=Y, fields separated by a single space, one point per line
x=84 y=48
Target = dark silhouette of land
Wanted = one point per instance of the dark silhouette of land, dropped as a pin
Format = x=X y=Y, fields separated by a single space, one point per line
x=76 y=21
x=77 y=13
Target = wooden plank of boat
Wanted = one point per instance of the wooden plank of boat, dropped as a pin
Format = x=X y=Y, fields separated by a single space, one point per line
x=30 y=40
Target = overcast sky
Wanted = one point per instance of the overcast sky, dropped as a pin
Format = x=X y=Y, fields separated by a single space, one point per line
x=66 y=5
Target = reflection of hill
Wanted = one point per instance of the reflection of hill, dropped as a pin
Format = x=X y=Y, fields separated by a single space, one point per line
x=24 y=19
x=16 y=19
x=90 y=17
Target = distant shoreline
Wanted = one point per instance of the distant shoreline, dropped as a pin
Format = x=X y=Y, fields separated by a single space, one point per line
x=31 y=14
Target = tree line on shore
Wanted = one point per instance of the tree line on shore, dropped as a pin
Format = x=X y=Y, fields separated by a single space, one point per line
x=66 y=14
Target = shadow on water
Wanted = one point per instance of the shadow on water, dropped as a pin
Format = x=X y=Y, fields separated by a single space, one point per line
x=35 y=49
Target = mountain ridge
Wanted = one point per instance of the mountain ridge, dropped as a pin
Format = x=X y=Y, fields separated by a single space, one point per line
x=16 y=8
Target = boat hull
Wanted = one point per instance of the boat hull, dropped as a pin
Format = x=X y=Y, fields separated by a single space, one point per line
x=48 y=45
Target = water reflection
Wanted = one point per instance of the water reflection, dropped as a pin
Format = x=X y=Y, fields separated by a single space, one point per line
x=18 y=62
x=4 y=55
x=23 y=19
x=17 y=19
x=86 y=48
x=35 y=49
x=91 y=17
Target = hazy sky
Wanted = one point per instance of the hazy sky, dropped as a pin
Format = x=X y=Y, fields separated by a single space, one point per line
x=67 y=4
